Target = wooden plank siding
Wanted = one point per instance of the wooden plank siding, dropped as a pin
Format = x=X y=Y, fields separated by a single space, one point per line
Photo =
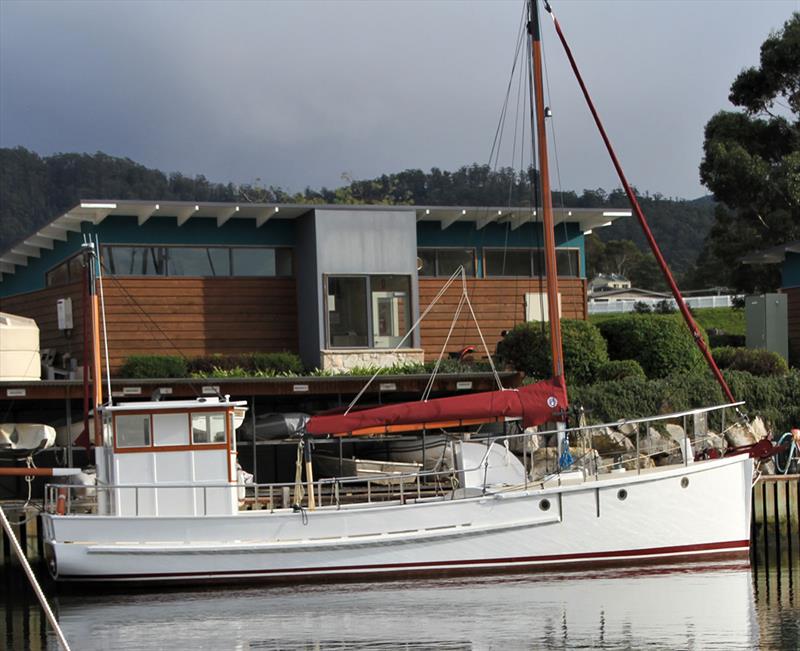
x=174 y=316
x=499 y=304
x=793 y=317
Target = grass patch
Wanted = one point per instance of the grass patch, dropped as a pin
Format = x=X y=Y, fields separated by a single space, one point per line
x=728 y=319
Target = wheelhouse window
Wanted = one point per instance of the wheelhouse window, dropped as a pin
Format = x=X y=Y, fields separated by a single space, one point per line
x=444 y=261
x=132 y=431
x=529 y=262
x=208 y=428
x=170 y=429
x=368 y=311
x=204 y=261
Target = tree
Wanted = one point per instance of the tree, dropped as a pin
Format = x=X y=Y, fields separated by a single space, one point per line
x=752 y=164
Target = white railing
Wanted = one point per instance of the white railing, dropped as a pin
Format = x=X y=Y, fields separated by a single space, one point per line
x=627 y=305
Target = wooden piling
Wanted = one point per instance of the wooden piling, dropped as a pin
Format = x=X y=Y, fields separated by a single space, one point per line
x=776 y=517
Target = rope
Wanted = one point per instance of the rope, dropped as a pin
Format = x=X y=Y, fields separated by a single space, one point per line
x=32 y=579
x=299 y=490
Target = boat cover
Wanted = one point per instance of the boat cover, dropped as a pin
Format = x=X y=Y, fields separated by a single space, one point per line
x=534 y=404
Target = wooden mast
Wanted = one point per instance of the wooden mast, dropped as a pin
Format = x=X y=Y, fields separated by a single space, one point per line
x=551 y=272
x=91 y=261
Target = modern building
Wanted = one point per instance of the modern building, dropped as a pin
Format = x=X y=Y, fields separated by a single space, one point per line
x=341 y=285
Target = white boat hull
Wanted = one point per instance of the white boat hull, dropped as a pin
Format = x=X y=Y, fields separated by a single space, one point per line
x=662 y=518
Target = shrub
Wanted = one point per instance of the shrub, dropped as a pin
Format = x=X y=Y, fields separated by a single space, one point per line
x=776 y=399
x=619 y=369
x=720 y=339
x=527 y=349
x=154 y=366
x=755 y=361
x=660 y=343
x=249 y=364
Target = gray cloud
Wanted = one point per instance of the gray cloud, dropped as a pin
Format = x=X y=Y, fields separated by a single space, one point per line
x=298 y=92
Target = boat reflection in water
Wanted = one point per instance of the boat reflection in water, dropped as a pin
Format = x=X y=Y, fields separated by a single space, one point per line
x=669 y=608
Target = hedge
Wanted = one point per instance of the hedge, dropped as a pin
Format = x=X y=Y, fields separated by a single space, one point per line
x=240 y=365
x=661 y=343
x=527 y=349
x=154 y=366
x=776 y=399
x=755 y=361
x=619 y=369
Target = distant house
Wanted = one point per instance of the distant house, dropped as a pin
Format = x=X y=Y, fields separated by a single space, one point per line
x=608 y=282
x=788 y=256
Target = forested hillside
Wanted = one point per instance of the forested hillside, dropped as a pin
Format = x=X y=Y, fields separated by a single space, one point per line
x=34 y=189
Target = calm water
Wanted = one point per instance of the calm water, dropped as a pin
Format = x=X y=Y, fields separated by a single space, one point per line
x=727 y=606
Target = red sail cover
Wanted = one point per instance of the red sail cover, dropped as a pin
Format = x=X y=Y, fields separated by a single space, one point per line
x=534 y=404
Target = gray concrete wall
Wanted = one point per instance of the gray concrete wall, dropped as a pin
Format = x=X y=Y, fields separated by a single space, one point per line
x=309 y=291
x=349 y=241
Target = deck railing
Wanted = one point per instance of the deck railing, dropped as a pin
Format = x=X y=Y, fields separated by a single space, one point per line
x=399 y=487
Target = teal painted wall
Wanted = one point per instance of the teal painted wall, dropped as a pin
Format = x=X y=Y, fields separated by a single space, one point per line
x=430 y=234
x=790 y=272
x=119 y=229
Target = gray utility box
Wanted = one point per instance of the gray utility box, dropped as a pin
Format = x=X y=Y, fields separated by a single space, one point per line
x=767 y=323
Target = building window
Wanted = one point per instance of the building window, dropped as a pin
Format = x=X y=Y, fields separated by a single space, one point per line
x=136 y=260
x=69 y=271
x=444 y=262
x=198 y=261
x=529 y=262
x=368 y=311
x=347 y=312
x=203 y=261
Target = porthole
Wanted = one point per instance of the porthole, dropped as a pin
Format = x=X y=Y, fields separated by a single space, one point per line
x=544 y=505
x=622 y=494
x=684 y=482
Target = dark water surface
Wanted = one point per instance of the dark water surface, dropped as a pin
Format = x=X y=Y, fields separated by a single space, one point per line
x=704 y=606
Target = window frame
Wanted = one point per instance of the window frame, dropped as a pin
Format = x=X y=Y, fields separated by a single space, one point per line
x=189 y=445
x=370 y=329
x=436 y=249
x=531 y=250
x=229 y=247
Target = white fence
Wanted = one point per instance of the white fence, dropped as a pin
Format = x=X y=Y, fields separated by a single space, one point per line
x=627 y=305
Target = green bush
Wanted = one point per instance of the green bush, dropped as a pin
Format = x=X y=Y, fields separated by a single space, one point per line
x=250 y=364
x=154 y=366
x=661 y=343
x=755 y=361
x=776 y=399
x=619 y=369
x=527 y=349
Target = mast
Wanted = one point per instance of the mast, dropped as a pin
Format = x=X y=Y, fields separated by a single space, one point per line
x=94 y=311
x=551 y=272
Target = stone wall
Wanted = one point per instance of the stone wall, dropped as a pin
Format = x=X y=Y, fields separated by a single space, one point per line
x=341 y=360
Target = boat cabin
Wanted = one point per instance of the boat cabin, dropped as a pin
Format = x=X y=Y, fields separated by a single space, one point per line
x=181 y=455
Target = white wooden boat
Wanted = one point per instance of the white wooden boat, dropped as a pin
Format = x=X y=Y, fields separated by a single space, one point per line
x=170 y=512
x=168 y=502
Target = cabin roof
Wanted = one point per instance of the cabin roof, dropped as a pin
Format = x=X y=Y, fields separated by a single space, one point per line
x=180 y=405
x=94 y=211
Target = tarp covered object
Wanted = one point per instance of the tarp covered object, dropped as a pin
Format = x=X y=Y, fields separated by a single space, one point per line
x=534 y=404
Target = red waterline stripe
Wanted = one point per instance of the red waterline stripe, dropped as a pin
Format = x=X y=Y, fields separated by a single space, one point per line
x=735 y=544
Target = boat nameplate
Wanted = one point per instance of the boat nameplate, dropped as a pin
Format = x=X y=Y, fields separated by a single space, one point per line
x=16 y=393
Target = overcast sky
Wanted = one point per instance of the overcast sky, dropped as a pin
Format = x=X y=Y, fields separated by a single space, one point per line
x=298 y=93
